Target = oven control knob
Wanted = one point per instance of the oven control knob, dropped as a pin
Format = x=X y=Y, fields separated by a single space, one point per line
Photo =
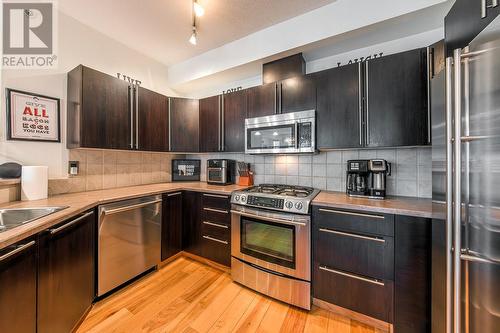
x=243 y=198
x=236 y=198
x=289 y=204
x=299 y=205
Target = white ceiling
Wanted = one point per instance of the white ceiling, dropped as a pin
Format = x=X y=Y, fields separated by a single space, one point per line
x=161 y=28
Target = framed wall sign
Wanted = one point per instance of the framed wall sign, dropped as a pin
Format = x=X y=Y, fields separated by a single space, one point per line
x=32 y=117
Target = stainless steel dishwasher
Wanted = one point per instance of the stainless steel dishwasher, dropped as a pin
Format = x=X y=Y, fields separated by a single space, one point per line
x=129 y=240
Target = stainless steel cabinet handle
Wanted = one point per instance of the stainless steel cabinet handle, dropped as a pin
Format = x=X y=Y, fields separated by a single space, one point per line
x=131 y=207
x=357 y=277
x=270 y=219
x=223 y=127
x=136 y=117
x=169 y=126
x=485 y=6
x=360 y=105
x=275 y=98
x=215 y=195
x=216 y=210
x=375 y=239
x=64 y=226
x=216 y=225
x=219 y=132
x=351 y=213
x=131 y=106
x=367 y=122
x=429 y=75
x=173 y=194
x=18 y=249
x=216 y=240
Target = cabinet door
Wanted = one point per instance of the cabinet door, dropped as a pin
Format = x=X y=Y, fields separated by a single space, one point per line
x=262 y=100
x=397 y=111
x=191 y=227
x=210 y=124
x=18 y=293
x=184 y=127
x=152 y=122
x=412 y=285
x=339 y=107
x=105 y=111
x=171 y=227
x=66 y=286
x=297 y=94
x=235 y=112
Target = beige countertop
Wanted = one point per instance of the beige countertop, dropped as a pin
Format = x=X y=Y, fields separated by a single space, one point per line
x=82 y=201
x=417 y=207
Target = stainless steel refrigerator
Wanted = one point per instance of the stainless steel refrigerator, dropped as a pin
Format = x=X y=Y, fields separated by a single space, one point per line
x=466 y=186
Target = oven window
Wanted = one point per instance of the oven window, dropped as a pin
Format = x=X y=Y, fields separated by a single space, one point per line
x=272 y=242
x=215 y=175
x=274 y=137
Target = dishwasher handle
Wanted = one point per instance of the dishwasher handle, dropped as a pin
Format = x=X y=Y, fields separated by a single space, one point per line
x=131 y=207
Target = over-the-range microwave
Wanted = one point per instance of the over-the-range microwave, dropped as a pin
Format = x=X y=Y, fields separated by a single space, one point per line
x=285 y=133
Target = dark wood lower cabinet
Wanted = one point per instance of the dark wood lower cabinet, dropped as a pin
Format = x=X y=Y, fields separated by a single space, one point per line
x=18 y=287
x=66 y=273
x=191 y=228
x=412 y=288
x=171 y=228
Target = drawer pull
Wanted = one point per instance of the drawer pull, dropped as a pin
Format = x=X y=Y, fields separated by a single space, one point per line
x=216 y=210
x=64 y=226
x=216 y=240
x=351 y=213
x=374 y=281
x=173 y=194
x=216 y=225
x=215 y=196
x=375 y=239
x=17 y=249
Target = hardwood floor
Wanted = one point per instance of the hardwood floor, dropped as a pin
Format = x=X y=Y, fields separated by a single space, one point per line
x=188 y=296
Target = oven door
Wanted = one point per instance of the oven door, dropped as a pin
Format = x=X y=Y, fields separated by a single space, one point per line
x=216 y=175
x=278 y=242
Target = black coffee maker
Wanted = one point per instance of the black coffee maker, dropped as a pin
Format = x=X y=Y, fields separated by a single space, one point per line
x=367 y=178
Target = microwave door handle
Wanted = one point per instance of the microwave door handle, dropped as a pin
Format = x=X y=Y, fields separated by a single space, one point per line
x=296 y=135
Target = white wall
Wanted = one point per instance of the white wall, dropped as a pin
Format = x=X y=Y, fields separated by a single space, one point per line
x=77 y=44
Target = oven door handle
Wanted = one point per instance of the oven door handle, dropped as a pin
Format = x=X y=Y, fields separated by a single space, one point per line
x=270 y=219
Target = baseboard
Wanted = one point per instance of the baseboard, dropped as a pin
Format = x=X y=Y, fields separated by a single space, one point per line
x=378 y=324
x=82 y=318
x=170 y=259
x=207 y=262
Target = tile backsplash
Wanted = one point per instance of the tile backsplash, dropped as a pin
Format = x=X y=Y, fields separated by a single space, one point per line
x=411 y=169
x=103 y=169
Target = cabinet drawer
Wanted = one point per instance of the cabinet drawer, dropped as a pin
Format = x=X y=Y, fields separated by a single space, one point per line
x=371 y=297
x=217 y=201
x=216 y=215
x=216 y=249
x=217 y=230
x=362 y=222
x=352 y=252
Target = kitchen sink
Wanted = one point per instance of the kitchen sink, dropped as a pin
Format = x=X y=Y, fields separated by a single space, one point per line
x=11 y=218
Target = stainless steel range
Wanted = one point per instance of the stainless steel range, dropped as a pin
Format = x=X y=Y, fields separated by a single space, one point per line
x=271 y=241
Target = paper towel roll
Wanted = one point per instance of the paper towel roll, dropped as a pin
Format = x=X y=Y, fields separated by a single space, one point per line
x=34 y=182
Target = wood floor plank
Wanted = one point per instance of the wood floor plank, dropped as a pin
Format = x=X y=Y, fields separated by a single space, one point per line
x=317 y=320
x=273 y=318
x=189 y=296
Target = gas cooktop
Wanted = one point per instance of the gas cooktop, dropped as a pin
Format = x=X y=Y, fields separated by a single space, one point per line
x=288 y=198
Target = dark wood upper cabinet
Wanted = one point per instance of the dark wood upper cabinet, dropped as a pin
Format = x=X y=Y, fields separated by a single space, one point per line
x=152 y=120
x=339 y=109
x=184 y=126
x=171 y=228
x=297 y=94
x=283 y=68
x=99 y=114
x=18 y=270
x=397 y=112
x=262 y=100
x=210 y=124
x=235 y=112
x=66 y=285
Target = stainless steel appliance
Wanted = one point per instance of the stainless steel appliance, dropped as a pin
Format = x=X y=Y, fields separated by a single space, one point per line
x=129 y=240
x=367 y=178
x=281 y=133
x=271 y=241
x=466 y=180
x=220 y=171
